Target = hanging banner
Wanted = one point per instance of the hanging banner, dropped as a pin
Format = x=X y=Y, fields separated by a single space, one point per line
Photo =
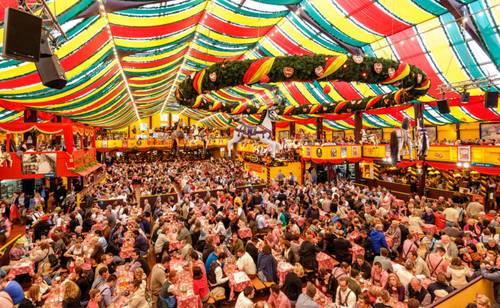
x=464 y=154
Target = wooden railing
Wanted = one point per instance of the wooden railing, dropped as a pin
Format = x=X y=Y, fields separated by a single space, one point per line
x=467 y=294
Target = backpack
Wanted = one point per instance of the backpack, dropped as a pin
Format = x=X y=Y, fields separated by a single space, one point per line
x=166 y=302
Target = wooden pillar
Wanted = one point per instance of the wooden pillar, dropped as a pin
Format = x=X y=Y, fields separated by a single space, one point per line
x=273 y=131
x=419 y=118
x=319 y=128
x=169 y=120
x=358 y=125
x=457 y=128
x=292 y=129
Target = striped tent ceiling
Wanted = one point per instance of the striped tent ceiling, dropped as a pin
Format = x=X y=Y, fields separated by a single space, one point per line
x=124 y=60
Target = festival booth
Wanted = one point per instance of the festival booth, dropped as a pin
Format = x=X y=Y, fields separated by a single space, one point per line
x=71 y=152
x=450 y=170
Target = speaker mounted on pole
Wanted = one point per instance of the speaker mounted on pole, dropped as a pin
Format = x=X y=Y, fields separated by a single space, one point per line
x=443 y=106
x=48 y=66
x=491 y=99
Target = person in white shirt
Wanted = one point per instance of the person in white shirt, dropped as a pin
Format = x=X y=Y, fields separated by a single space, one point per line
x=405 y=274
x=345 y=297
x=245 y=298
x=451 y=215
x=246 y=263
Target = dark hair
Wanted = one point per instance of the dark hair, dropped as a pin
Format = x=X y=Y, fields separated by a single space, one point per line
x=248 y=290
x=111 y=278
x=194 y=255
x=197 y=273
x=103 y=270
x=266 y=250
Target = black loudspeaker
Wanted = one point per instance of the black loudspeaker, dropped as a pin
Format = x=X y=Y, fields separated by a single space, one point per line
x=51 y=72
x=443 y=106
x=30 y=115
x=22 y=35
x=491 y=100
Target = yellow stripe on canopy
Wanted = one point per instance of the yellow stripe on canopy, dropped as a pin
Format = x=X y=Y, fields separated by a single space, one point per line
x=406 y=10
x=306 y=42
x=154 y=57
x=202 y=29
x=240 y=19
x=145 y=44
x=337 y=18
x=151 y=21
x=437 y=43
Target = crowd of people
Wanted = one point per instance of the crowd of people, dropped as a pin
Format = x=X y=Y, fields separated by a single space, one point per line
x=313 y=245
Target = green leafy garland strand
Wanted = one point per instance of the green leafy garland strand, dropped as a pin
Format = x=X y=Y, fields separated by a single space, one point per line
x=410 y=81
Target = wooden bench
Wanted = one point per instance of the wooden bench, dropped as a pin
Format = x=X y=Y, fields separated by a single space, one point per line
x=258 y=284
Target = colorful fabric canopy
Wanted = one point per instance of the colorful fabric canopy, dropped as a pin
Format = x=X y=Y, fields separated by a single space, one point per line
x=159 y=43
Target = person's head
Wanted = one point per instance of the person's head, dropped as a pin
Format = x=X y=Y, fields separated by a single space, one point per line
x=103 y=272
x=377 y=266
x=197 y=273
x=441 y=278
x=393 y=280
x=310 y=290
x=172 y=277
x=384 y=296
x=138 y=273
x=266 y=250
x=482 y=301
x=413 y=303
x=360 y=259
x=343 y=282
x=34 y=292
x=240 y=252
x=384 y=252
x=456 y=261
x=415 y=284
x=275 y=289
x=95 y=295
x=298 y=270
x=249 y=292
x=111 y=279
x=440 y=250
x=445 y=239
x=71 y=290
x=107 y=259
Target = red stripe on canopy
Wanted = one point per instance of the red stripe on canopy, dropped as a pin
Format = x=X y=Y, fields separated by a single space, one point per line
x=372 y=17
x=233 y=29
x=138 y=32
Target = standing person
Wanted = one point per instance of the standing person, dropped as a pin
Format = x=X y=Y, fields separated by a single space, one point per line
x=377 y=237
x=345 y=297
x=158 y=278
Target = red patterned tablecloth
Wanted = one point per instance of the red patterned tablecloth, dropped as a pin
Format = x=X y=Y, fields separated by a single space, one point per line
x=283 y=269
x=245 y=233
x=98 y=226
x=325 y=261
x=22 y=267
x=187 y=299
x=238 y=280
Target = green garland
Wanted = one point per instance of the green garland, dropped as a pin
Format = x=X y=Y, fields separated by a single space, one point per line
x=412 y=83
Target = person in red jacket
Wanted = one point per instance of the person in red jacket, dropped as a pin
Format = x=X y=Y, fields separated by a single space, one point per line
x=440 y=220
x=200 y=284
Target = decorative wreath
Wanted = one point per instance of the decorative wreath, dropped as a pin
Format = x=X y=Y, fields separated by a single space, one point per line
x=410 y=81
